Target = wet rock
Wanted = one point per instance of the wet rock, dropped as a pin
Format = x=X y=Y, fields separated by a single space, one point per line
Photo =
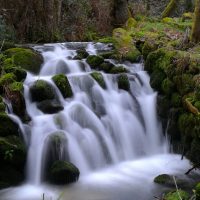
x=7 y=126
x=63 y=172
x=94 y=61
x=25 y=58
x=118 y=70
x=106 y=66
x=50 y=106
x=123 y=82
x=63 y=85
x=81 y=54
x=41 y=90
x=97 y=76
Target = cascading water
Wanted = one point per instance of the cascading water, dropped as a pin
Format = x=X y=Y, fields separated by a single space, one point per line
x=100 y=129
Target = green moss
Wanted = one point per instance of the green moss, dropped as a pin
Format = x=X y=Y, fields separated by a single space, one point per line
x=184 y=83
x=194 y=152
x=118 y=70
x=106 y=40
x=25 y=58
x=94 y=61
x=175 y=195
x=123 y=82
x=2 y=107
x=81 y=54
x=63 y=172
x=132 y=55
x=16 y=86
x=97 y=76
x=107 y=55
x=197 y=191
x=176 y=100
x=156 y=79
x=197 y=105
x=148 y=47
x=131 y=23
x=41 y=90
x=170 y=8
x=162 y=179
x=6 y=79
x=106 y=66
x=167 y=86
x=63 y=84
x=7 y=126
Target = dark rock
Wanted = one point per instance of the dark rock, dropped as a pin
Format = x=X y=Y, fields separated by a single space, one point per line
x=63 y=173
x=41 y=90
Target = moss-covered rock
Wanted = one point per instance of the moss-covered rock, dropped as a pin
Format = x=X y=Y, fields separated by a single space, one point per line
x=156 y=79
x=50 y=106
x=148 y=47
x=63 y=173
x=176 y=100
x=175 y=195
x=118 y=70
x=98 y=77
x=165 y=179
x=167 y=86
x=14 y=93
x=94 y=61
x=25 y=58
x=184 y=83
x=7 y=126
x=130 y=24
x=41 y=90
x=106 y=66
x=123 y=82
x=5 y=80
x=81 y=54
x=63 y=85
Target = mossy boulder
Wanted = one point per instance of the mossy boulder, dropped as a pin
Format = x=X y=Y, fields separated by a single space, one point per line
x=13 y=159
x=25 y=58
x=125 y=46
x=9 y=67
x=13 y=152
x=157 y=78
x=63 y=173
x=131 y=23
x=175 y=195
x=106 y=66
x=94 y=61
x=7 y=126
x=123 y=82
x=118 y=70
x=184 y=83
x=148 y=47
x=98 y=77
x=167 y=86
x=176 y=100
x=50 y=106
x=81 y=54
x=63 y=85
x=5 y=80
x=165 y=179
x=41 y=90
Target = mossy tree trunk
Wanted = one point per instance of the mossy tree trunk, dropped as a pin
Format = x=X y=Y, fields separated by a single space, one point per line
x=195 y=37
x=170 y=8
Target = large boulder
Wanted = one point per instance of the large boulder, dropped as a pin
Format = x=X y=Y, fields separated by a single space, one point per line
x=12 y=159
x=25 y=58
x=41 y=90
x=81 y=54
x=63 y=85
x=94 y=61
x=7 y=126
x=63 y=172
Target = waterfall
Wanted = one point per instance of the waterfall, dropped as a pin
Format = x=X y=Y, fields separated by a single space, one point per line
x=112 y=135
x=102 y=126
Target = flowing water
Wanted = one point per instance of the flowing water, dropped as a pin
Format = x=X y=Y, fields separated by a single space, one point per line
x=111 y=135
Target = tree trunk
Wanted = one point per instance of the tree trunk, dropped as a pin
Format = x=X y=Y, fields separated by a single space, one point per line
x=121 y=12
x=195 y=37
x=170 y=8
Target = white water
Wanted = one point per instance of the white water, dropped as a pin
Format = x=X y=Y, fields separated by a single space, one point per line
x=112 y=136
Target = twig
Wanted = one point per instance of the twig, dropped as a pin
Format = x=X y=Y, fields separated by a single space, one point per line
x=191 y=169
x=177 y=188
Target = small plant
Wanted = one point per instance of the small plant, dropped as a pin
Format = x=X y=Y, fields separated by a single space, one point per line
x=9 y=154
